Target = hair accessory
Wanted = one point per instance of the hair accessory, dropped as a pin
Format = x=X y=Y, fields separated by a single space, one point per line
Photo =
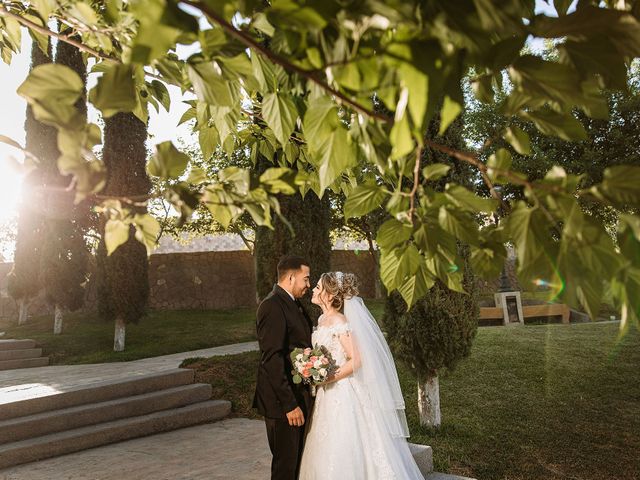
x=339 y=277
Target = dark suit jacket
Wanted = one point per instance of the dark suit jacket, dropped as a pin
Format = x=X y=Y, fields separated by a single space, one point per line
x=282 y=325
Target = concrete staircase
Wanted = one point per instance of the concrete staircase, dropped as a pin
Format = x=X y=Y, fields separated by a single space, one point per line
x=102 y=413
x=20 y=354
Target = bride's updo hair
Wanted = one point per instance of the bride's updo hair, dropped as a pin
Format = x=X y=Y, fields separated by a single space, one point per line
x=341 y=285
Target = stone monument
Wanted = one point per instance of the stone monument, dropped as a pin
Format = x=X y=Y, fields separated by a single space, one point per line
x=508 y=298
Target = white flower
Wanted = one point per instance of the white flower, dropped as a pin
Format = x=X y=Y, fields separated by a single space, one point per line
x=299 y=357
x=323 y=372
x=317 y=364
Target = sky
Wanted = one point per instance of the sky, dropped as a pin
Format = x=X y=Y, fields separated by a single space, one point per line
x=162 y=125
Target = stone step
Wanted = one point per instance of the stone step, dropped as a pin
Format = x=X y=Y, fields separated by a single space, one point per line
x=102 y=434
x=423 y=455
x=445 y=476
x=11 y=344
x=24 y=363
x=20 y=353
x=95 y=393
x=46 y=423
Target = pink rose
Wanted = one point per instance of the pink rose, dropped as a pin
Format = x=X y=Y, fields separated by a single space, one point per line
x=313 y=359
x=307 y=351
x=324 y=361
x=306 y=373
x=309 y=364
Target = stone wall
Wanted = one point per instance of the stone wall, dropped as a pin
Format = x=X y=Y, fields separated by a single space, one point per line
x=205 y=280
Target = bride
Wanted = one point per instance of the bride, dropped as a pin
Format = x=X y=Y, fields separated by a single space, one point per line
x=358 y=428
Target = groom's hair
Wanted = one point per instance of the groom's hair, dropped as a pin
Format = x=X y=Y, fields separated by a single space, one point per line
x=289 y=263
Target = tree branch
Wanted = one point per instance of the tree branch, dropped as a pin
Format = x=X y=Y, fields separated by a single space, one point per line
x=416 y=179
x=476 y=162
x=50 y=33
x=287 y=65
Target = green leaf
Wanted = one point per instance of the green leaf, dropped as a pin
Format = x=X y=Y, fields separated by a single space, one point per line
x=281 y=114
x=279 y=180
x=337 y=156
x=320 y=121
x=161 y=24
x=116 y=233
x=417 y=82
x=518 y=139
x=84 y=13
x=44 y=8
x=401 y=138
x=447 y=271
x=197 y=175
x=348 y=76
x=417 y=285
x=482 y=88
x=620 y=186
x=221 y=206
x=435 y=171
x=265 y=73
x=161 y=93
x=147 y=230
x=450 y=111
x=209 y=85
x=295 y=17
x=12 y=32
x=564 y=126
x=497 y=164
x=469 y=201
x=52 y=91
x=393 y=233
x=115 y=91
x=168 y=162
x=398 y=264
x=457 y=224
x=237 y=176
x=363 y=199
x=529 y=230
x=209 y=140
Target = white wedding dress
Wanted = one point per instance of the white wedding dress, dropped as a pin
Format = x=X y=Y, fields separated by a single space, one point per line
x=348 y=438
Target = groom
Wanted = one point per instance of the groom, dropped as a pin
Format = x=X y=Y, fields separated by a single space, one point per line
x=282 y=326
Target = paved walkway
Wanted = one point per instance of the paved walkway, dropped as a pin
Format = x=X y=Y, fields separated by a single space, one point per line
x=41 y=381
x=231 y=449
x=234 y=448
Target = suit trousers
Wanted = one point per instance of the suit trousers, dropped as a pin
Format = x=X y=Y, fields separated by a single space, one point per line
x=286 y=444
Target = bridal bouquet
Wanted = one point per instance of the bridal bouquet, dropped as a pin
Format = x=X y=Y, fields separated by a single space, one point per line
x=312 y=366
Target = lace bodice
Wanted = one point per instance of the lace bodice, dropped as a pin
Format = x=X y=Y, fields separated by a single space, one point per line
x=328 y=336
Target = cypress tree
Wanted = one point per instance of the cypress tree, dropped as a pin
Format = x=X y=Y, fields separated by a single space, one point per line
x=436 y=333
x=122 y=277
x=65 y=256
x=23 y=280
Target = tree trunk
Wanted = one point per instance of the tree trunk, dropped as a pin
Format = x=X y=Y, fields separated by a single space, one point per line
x=118 y=338
x=57 y=320
x=24 y=311
x=429 y=402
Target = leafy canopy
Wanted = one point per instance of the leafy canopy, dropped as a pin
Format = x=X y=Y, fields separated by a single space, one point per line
x=326 y=86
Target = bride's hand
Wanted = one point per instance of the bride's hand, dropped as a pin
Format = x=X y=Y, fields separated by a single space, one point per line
x=330 y=379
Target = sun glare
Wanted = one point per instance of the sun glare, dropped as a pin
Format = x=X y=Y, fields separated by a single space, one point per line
x=10 y=188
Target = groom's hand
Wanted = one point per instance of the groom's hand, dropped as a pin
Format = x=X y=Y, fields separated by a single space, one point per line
x=296 y=417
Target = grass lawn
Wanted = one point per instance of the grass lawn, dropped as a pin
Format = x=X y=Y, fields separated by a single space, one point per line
x=536 y=402
x=87 y=339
